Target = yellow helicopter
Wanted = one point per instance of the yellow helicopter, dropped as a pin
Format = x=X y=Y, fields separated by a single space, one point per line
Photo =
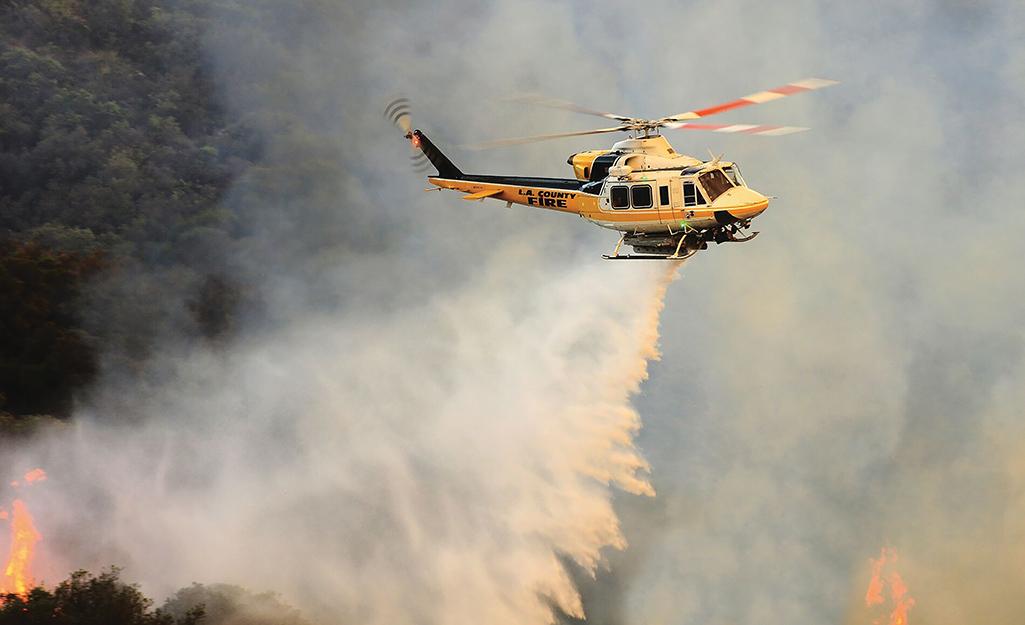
x=666 y=205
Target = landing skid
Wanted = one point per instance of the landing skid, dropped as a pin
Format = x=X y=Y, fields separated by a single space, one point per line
x=674 y=256
x=647 y=256
x=736 y=239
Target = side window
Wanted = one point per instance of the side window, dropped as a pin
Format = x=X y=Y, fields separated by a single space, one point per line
x=663 y=195
x=692 y=195
x=641 y=195
x=620 y=197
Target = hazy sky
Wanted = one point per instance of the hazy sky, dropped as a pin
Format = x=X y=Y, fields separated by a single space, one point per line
x=443 y=402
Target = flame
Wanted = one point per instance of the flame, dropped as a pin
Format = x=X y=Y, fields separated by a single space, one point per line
x=884 y=574
x=874 y=594
x=35 y=475
x=16 y=576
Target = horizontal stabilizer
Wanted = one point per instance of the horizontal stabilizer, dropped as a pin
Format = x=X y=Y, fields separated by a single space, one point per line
x=480 y=195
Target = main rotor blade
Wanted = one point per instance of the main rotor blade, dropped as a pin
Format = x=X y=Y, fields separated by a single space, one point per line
x=520 y=140
x=746 y=129
x=808 y=84
x=566 y=105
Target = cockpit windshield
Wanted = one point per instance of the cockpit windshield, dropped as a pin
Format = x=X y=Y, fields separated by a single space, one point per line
x=715 y=183
x=733 y=173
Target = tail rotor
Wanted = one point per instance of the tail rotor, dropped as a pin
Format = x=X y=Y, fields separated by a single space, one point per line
x=399 y=113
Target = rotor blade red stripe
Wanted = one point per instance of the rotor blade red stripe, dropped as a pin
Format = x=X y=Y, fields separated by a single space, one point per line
x=690 y=126
x=733 y=127
x=789 y=89
x=747 y=129
x=808 y=84
x=712 y=110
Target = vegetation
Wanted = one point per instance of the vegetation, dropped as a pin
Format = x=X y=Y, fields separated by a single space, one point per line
x=223 y=604
x=115 y=155
x=85 y=599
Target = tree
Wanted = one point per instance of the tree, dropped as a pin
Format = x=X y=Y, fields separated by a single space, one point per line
x=223 y=604
x=85 y=599
x=44 y=354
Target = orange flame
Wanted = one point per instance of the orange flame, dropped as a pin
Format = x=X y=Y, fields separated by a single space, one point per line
x=885 y=574
x=17 y=577
x=874 y=594
x=35 y=475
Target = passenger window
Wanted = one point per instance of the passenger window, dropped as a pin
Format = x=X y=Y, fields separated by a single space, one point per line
x=663 y=195
x=692 y=195
x=620 y=197
x=641 y=196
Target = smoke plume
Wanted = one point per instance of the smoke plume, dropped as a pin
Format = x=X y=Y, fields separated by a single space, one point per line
x=431 y=415
x=427 y=465
x=427 y=418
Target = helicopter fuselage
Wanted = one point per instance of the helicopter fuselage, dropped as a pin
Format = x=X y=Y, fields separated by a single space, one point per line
x=640 y=186
x=667 y=205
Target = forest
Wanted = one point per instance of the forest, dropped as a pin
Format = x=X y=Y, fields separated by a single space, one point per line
x=115 y=157
x=117 y=154
x=104 y=599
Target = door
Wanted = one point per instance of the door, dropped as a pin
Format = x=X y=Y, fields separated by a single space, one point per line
x=665 y=213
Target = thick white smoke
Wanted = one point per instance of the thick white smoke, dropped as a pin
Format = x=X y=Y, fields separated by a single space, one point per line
x=426 y=465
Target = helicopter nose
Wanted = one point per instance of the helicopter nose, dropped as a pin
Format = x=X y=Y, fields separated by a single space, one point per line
x=750 y=203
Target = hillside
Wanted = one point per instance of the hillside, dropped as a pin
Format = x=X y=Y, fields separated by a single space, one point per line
x=115 y=155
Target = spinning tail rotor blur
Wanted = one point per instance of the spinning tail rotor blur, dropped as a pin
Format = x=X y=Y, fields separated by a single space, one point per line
x=399 y=113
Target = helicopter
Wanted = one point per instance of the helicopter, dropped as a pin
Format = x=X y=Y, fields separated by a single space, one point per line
x=666 y=205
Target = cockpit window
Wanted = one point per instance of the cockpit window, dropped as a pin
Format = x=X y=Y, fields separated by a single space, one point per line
x=715 y=183
x=733 y=173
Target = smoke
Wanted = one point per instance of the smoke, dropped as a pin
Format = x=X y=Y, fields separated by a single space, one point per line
x=433 y=412
x=852 y=379
x=428 y=465
x=426 y=419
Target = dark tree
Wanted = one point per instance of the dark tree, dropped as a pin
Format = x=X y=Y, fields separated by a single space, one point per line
x=113 y=144
x=44 y=353
x=84 y=599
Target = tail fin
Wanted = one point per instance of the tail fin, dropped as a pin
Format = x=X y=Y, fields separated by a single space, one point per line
x=445 y=167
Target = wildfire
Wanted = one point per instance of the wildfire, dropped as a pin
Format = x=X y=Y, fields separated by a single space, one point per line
x=35 y=475
x=885 y=575
x=16 y=575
